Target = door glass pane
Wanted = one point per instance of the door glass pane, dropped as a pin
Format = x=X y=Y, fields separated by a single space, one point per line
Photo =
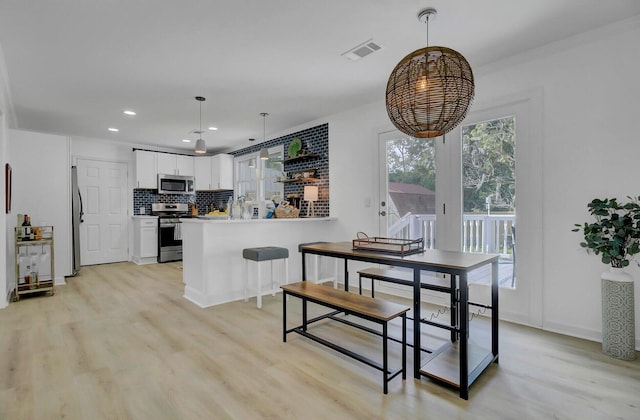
x=411 y=189
x=489 y=192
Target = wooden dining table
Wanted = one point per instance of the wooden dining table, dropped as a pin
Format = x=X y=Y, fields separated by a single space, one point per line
x=441 y=365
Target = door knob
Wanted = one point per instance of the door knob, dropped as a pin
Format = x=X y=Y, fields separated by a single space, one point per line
x=383 y=213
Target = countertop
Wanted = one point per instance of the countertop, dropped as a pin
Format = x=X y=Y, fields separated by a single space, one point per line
x=245 y=221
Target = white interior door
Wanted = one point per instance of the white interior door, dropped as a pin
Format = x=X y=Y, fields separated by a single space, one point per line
x=104 y=233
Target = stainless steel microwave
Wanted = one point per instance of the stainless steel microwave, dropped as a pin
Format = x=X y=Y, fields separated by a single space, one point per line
x=176 y=184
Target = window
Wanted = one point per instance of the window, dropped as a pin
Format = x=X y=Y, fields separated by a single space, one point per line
x=259 y=182
x=246 y=179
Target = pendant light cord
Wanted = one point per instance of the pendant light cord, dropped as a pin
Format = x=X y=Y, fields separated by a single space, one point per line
x=427 y=30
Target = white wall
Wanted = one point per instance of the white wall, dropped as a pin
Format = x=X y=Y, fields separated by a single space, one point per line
x=41 y=184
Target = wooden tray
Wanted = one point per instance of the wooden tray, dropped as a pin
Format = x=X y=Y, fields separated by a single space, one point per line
x=389 y=245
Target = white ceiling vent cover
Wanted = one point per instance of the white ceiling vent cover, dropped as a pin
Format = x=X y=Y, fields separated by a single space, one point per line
x=362 y=50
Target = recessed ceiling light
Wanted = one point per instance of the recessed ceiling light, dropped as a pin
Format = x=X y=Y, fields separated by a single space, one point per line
x=129 y=112
x=115 y=130
x=213 y=128
x=186 y=141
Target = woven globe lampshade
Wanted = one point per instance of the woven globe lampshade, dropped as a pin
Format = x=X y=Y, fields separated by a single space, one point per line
x=430 y=90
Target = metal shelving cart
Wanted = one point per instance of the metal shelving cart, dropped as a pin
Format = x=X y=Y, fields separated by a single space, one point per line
x=34 y=261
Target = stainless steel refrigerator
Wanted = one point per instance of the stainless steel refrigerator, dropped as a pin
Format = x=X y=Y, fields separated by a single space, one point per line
x=76 y=219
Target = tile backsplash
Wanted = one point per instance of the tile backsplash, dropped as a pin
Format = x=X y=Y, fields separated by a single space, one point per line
x=203 y=199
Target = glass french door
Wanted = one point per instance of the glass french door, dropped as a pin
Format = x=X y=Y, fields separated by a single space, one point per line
x=476 y=174
x=407 y=206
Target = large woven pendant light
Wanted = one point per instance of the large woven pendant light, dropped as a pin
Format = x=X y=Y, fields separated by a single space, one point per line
x=201 y=147
x=430 y=90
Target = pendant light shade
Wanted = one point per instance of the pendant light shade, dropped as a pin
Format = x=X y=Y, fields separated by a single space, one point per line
x=264 y=152
x=201 y=147
x=430 y=90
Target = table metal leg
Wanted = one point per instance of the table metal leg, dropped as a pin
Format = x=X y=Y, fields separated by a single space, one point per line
x=385 y=363
x=494 y=310
x=304 y=266
x=416 y=324
x=464 y=336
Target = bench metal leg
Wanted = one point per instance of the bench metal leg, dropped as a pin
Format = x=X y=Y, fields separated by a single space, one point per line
x=304 y=314
x=284 y=316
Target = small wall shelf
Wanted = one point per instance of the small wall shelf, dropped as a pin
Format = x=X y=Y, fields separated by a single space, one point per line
x=300 y=158
x=285 y=181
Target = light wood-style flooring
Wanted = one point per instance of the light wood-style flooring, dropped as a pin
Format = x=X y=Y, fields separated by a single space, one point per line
x=120 y=342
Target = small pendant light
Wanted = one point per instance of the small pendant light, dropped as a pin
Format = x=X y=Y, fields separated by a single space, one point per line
x=201 y=147
x=252 y=161
x=264 y=152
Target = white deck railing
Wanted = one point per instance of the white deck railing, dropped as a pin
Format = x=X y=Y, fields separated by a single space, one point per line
x=480 y=233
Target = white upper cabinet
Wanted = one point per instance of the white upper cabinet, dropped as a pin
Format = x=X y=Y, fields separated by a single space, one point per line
x=184 y=165
x=169 y=163
x=202 y=166
x=222 y=172
x=214 y=172
x=146 y=173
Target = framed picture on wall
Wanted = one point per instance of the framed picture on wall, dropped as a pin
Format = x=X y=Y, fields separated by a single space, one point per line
x=7 y=188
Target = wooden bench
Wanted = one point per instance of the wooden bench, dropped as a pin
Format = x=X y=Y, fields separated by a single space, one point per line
x=375 y=310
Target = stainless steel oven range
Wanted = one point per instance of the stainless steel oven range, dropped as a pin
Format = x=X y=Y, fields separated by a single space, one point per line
x=169 y=232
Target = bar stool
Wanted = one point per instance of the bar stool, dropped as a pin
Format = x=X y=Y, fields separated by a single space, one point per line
x=265 y=253
x=316 y=266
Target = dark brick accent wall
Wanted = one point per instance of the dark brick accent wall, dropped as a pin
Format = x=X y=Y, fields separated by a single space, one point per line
x=315 y=140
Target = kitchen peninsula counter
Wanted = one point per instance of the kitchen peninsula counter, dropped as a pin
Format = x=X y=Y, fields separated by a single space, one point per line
x=213 y=267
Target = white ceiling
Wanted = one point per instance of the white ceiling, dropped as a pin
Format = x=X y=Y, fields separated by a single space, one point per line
x=73 y=66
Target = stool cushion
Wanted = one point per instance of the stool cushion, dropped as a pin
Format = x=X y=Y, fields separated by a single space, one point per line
x=265 y=253
x=309 y=243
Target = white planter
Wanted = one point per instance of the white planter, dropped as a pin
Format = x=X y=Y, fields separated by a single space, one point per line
x=618 y=315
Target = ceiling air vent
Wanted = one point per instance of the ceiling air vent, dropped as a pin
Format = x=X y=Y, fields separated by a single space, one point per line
x=362 y=50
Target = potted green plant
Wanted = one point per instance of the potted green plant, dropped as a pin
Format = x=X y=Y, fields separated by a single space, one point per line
x=615 y=235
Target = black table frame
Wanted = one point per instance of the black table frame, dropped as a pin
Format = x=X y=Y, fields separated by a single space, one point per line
x=434 y=261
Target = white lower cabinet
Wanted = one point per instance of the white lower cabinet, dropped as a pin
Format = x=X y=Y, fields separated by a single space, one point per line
x=145 y=239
